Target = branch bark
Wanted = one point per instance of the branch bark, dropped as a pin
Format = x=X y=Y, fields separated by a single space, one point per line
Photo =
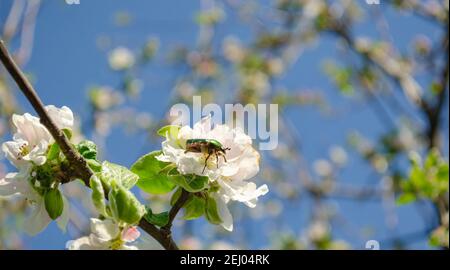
x=163 y=235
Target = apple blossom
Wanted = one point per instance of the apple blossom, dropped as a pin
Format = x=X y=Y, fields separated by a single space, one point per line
x=63 y=117
x=38 y=218
x=31 y=140
x=28 y=153
x=242 y=163
x=106 y=234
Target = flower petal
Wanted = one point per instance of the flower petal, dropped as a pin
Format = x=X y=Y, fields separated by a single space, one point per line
x=63 y=117
x=130 y=234
x=104 y=229
x=245 y=192
x=224 y=213
x=64 y=218
x=83 y=243
x=38 y=220
x=127 y=247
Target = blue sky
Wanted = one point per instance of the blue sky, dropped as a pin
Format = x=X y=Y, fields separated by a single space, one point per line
x=66 y=61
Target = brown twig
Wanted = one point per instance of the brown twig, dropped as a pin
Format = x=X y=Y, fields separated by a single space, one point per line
x=27 y=89
x=163 y=235
x=176 y=208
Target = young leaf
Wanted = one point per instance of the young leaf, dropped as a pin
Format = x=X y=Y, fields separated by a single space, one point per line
x=87 y=149
x=98 y=195
x=190 y=182
x=94 y=165
x=120 y=174
x=53 y=152
x=175 y=196
x=170 y=131
x=54 y=203
x=194 y=208
x=152 y=178
x=211 y=211
x=160 y=219
x=124 y=205
x=67 y=132
x=406 y=198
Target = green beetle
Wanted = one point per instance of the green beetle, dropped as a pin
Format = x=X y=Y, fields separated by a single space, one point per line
x=207 y=146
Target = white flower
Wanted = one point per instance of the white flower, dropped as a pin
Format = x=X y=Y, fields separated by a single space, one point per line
x=31 y=140
x=29 y=143
x=233 y=50
x=318 y=230
x=29 y=148
x=121 y=58
x=338 y=155
x=38 y=218
x=323 y=168
x=105 y=234
x=63 y=117
x=242 y=163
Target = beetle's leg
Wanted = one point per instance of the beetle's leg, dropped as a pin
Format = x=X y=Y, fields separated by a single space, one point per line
x=217 y=159
x=206 y=161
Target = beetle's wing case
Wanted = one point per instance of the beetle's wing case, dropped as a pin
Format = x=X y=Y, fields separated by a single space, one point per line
x=191 y=141
x=215 y=143
x=194 y=147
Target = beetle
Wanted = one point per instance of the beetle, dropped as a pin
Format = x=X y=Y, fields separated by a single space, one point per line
x=207 y=146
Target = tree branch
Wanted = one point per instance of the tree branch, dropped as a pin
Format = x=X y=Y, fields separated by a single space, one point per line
x=27 y=89
x=163 y=235
x=175 y=209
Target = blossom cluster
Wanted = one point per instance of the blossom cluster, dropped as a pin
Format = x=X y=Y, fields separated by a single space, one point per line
x=228 y=174
x=35 y=179
x=214 y=172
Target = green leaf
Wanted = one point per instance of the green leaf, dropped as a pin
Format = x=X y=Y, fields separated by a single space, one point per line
x=124 y=205
x=211 y=211
x=439 y=237
x=98 y=195
x=194 y=208
x=94 y=165
x=67 y=132
x=190 y=182
x=113 y=172
x=406 y=198
x=160 y=219
x=170 y=131
x=175 y=196
x=54 y=203
x=53 y=152
x=87 y=149
x=168 y=168
x=151 y=177
x=428 y=179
